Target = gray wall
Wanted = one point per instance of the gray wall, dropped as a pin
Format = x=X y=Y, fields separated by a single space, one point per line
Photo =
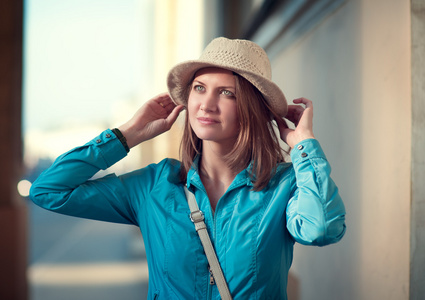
x=355 y=66
x=417 y=272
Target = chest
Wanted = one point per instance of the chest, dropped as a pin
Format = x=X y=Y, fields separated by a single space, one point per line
x=247 y=229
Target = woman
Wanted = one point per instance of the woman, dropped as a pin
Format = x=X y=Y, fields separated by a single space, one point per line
x=256 y=206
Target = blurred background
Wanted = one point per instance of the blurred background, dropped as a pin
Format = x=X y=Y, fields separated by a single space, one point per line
x=72 y=68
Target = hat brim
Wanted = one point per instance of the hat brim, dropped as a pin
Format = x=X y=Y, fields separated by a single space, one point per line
x=180 y=76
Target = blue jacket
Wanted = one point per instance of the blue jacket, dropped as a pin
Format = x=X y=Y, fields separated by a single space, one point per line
x=253 y=232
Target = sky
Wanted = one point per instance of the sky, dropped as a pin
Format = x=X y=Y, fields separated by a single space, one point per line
x=80 y=57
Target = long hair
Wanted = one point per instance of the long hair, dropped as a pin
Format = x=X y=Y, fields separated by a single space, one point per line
x=257 y=145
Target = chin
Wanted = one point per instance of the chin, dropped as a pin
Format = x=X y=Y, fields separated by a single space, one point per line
x=205 y=134
x=205 y=137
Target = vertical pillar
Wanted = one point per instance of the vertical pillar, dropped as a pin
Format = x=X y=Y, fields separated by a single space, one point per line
x=417 y=237
x=13 y=239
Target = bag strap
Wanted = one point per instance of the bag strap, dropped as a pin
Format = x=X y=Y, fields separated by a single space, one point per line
x=197 y=217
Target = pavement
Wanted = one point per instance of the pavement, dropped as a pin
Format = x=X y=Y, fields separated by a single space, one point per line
x=72 y=258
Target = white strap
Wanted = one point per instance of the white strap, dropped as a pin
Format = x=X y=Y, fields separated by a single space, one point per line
x=197 y=218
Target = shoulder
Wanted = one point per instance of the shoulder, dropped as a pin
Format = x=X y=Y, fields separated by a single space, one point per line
x=167 y=168
x=284 y=173
x=162 y=174
x=171 y=167
x=284 y=169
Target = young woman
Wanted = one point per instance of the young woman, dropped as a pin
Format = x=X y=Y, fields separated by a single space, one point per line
x=256 y=206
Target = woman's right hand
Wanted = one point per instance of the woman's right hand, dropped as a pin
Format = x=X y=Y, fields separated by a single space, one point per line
x=303 y=120
x=154 y=118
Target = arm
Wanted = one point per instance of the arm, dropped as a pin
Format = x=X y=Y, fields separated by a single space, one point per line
x=315 y=213
x=65 y=187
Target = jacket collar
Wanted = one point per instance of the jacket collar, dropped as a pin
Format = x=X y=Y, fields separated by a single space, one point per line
x=193 y=178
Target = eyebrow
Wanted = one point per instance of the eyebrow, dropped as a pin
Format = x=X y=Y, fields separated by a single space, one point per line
x=220 y=87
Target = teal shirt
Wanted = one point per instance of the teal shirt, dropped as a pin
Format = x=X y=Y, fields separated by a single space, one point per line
x=253 y=232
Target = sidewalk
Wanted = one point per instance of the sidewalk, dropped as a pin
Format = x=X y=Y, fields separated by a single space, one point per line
x=71 y=258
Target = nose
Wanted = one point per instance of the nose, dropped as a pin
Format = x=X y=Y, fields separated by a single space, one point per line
x=208 y=103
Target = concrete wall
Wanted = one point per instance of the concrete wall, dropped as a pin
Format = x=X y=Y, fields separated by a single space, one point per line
x=417 y=260
x=355 y=66
x=13 y=226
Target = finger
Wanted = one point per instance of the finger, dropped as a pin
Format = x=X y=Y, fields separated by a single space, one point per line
x=291 y=111
x=294 y=113
x=162 y=96
x=299 y=110
x=302 y=112
x=169 y=106
x=162 y=99
x=295 y=109
x=305 y=101
x=172 y=117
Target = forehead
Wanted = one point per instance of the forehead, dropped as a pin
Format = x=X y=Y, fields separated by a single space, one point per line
x=214 y=72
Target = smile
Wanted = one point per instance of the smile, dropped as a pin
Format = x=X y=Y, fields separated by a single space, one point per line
x=207 y=121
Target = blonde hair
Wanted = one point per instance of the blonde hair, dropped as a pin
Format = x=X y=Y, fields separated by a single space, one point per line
x=257 y=145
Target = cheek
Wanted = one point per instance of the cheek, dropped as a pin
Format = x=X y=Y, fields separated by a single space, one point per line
x=191 y=110
x=232 y=113
x=192 y=102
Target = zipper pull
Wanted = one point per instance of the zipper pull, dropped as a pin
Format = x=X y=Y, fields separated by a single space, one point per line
x=212 y=281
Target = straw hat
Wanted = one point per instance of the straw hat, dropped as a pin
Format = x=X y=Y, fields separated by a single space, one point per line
x=240 y=56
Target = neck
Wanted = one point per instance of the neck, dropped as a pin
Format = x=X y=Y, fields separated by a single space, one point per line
x=213 y=164
x=215 y=174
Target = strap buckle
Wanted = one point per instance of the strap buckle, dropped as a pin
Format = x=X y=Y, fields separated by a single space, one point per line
x=196 y=216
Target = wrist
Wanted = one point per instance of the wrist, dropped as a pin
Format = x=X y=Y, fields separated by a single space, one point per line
x=130 y=133
x=121 y=138
x=300 y=138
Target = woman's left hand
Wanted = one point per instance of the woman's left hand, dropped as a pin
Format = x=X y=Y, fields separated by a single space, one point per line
x=303 y=120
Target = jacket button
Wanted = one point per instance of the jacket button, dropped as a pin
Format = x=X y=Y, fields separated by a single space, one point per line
x=303 y=154
x=98 y=141
x=108 y=135
x=300 y=147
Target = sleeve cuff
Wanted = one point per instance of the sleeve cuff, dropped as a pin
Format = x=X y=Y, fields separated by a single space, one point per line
x=109 y=146
x=305 y=150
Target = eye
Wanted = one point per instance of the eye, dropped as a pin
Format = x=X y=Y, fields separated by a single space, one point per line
x=199 y=88
x=228 y=93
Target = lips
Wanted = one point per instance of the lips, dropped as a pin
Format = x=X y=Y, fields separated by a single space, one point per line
x=207 y=121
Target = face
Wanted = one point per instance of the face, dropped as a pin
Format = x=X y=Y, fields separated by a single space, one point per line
x=212 y=106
